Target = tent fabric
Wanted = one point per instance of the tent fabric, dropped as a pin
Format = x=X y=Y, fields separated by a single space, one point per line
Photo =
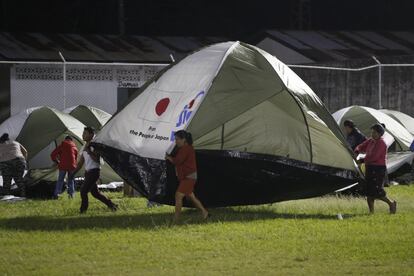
x=40 y=130
x=14 y=124
x=29 y=128
x=36 y=134
x=220 y=80
x=89 y=115
x=404 y=119
x=242 y=133
x=234 y=98
x=146 y=132
x=395 y=160
x=364 y=117
x=256 y=74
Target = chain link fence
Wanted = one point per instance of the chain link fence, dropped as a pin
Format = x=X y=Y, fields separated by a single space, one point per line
x=382 y=85
x=105 y=86
x=108 y=85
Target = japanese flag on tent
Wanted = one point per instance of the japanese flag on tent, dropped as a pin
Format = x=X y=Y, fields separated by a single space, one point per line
x=147 y=126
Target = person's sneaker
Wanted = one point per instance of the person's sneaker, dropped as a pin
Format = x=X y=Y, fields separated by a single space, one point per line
x=55 y=197
x=70 y=196
x=82 y=211
x=393 y=207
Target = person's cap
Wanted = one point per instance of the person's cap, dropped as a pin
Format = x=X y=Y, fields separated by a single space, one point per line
x=68 y=137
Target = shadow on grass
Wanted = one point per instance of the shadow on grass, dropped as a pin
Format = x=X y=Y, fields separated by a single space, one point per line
x=147 y=221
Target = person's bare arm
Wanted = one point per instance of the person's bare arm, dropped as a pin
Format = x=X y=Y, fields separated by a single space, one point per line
x=79 y=166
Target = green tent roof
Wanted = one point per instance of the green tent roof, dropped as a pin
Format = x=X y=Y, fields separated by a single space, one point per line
x=89 y=115
x=257 y=104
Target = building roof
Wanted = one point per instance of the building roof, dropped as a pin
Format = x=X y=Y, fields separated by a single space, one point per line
x=301 y=47
x=97 y=48
x=291 y=47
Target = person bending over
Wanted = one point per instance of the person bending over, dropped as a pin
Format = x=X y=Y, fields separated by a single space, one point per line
x=13 y=158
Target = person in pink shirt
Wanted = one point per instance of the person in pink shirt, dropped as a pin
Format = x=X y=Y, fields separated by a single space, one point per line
x=375 y=168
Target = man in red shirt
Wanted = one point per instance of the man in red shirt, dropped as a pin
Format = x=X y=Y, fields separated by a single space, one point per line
x=375 y=167
x=65 y=156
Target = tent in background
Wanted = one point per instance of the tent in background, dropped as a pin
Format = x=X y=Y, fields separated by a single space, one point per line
x=396 y=136
x=261 y=134
x=40 y=130
x=404 y=119
x=89 y=115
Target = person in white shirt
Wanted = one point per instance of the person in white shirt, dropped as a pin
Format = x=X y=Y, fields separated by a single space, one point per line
x=91 y=160
x=12 y=164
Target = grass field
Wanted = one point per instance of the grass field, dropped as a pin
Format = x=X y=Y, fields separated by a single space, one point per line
x=296 y=237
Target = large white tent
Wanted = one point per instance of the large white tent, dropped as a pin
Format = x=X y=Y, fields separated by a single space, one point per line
x=261 y=134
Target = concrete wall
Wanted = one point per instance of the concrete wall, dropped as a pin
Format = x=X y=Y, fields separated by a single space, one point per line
x=94 y=85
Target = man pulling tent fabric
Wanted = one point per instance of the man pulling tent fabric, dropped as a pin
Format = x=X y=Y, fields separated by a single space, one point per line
x=92 y=170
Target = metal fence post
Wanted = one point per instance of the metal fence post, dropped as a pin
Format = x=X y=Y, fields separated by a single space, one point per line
x=64 y=80
x=379 y=82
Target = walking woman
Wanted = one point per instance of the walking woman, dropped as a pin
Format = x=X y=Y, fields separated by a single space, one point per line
x=186 y=169
x=376 y=154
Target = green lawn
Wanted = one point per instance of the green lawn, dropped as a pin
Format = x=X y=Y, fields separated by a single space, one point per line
x=296 y=237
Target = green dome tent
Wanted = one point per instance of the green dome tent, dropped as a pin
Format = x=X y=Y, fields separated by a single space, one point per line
x=404 y=119
x=89 y=115
x=260 y=133
x=40 y=130
x=396 y=136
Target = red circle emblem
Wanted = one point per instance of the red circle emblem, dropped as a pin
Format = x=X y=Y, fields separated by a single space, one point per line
x=162 y=106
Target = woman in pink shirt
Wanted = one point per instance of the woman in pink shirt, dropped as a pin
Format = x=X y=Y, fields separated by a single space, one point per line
x=375 y=168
